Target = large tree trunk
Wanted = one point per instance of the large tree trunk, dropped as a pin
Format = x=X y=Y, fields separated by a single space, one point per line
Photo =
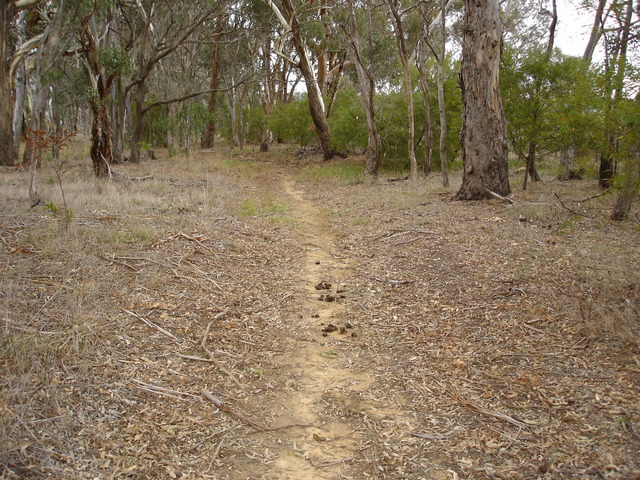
x=101 y=131
x=630 y=185
x=101 y=151
x=7 y=151
x=483 y=136
x=209 y=134
x=138 y=125
x=20 y=87
x=316 y=103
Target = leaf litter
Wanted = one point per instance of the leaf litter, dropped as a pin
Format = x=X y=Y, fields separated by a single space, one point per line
x=464 y=342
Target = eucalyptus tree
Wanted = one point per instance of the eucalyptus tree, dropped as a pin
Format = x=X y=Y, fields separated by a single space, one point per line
x=94 y=23
x=596 y=30
x=483 y=136
x=434 y=38
x=54 y=24
x=162 y=26
x=10 y=60
x=533 y=82
x=365 y=48
x=619 y=153
x=291 y=23
x=621 y=33
x=208 y=136
x=396 y=13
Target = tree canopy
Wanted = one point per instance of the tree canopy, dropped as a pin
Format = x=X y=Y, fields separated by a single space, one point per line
x=351 y=75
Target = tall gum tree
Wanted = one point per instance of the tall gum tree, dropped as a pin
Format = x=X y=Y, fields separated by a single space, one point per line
x=363 y=62
x=483 y=136
x=8 y=64
x=395 y=15
x=291 y=25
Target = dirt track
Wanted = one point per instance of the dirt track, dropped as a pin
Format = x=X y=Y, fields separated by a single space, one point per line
x=471 y=340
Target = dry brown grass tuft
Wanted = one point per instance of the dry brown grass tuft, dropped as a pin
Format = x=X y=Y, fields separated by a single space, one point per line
x=157 y=239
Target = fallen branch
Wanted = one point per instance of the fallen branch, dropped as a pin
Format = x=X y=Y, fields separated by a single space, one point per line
x=151 y=324
x=209 y=353
x=406 y=241
x=592 y=197
x=569 y=209
x=197 y=359
x=485 y=411
x=500 y=197
x=397 y=233
x=161 y=390
x=393 y=282
x=252 y=312
x=430 y=437
x=118 y=262
x=335 y=462
x=141 y=179
x=218 y=403
x=194 y=239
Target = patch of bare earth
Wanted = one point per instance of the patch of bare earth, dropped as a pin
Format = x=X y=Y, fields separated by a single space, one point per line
x=228 y=319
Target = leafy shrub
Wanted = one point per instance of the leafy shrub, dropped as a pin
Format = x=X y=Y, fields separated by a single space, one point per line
x=292 y=122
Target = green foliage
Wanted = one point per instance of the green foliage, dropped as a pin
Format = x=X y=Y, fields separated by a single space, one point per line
x=392 y=125
x=52 y=208
x=254 y=121
x=292 y=122
x=115 y=60
x=341 y=172
x=549 y=102
x=185 y=121
x=348 y=122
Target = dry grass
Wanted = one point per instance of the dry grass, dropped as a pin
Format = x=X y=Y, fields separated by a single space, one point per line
x=168 y=247
x=526 y=313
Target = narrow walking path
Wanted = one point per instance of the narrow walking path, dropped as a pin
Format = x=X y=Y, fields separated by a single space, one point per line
x=313 y=370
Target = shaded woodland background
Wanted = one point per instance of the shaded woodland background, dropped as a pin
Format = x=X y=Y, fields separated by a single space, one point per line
x=353 y=76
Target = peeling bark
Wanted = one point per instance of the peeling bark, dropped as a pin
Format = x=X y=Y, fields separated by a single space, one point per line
x=483 y=136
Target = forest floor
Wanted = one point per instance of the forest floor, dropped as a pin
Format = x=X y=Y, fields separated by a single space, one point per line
x=234 y=315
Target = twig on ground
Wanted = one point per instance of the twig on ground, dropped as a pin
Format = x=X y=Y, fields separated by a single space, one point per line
x=398 y=233
x=218 y=403
x=194 y=239
x=485 y=411
x=571 y=210
x=415 y=239
x=393 y=282
x=212 y=359
x=500 y=197
x=141 y=179
x=335 y=462
x=430 y=437
x=162 y=390
x=277 y=302
x=118 y=262
x=592 y=197
x=151 y=324
x=197 y=359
